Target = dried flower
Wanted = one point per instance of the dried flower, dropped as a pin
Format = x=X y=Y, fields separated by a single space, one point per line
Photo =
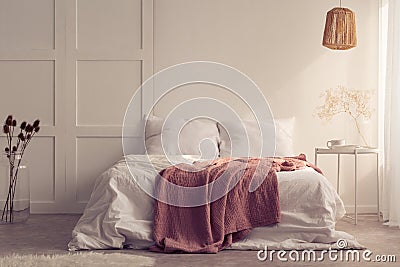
x=36 y=123
x=7 y=150
x=355 y=103
x=6 y=129
x=9 y=120
x=14 y=149
x=29 y=136
x=28 y=128
x=37 y=129
x=21 y=137
x=14 y=123
x=23 y=125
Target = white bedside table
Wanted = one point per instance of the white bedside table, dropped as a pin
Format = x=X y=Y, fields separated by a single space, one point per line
x=351 y=151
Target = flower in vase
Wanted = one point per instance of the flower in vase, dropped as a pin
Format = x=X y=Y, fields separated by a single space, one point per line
x=16 y=145
x=354 y=103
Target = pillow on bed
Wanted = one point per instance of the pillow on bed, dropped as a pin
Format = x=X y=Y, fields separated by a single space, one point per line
x=198 y=136
x=283 y=138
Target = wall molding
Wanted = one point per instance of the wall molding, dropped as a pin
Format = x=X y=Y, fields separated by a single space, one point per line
x=70 y=139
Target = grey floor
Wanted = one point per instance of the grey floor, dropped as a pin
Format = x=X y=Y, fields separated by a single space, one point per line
x=49 y=234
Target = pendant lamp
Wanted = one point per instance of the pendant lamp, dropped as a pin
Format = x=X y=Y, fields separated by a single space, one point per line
x=340 y=29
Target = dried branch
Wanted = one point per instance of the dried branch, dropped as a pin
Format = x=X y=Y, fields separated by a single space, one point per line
x=355 y=103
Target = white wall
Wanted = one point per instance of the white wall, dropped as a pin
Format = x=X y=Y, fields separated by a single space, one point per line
x=78 y=62
x=278 y=44
x=74 y=65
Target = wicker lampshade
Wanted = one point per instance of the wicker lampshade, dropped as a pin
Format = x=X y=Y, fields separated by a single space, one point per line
x=340 y=29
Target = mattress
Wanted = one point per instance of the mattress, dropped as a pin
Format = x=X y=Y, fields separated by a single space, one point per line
x=119 y=213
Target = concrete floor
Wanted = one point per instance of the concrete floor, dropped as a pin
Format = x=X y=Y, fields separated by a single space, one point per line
x=49 y=234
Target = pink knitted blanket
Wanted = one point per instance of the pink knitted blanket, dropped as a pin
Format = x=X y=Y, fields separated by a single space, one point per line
x=212 y=227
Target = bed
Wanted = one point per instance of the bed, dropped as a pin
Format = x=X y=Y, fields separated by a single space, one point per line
x=120 y=214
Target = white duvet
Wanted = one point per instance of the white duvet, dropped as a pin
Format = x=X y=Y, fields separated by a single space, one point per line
x=119 y=213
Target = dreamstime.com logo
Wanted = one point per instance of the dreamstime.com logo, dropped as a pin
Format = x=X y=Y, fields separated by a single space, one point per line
x=332 y=254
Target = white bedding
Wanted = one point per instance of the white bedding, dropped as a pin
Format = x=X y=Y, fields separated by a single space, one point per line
x=119 y=214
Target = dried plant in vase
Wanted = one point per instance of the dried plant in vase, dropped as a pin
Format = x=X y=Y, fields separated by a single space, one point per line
x=355 y=103
x=14 y=151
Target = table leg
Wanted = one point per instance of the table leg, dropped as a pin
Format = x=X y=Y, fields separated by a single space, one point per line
x=377 y=184
x=355 y=186
x=338 y=173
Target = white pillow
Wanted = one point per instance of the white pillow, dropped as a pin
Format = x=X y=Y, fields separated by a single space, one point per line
x=253 y=147
x=197 y=137
x=153 y=126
